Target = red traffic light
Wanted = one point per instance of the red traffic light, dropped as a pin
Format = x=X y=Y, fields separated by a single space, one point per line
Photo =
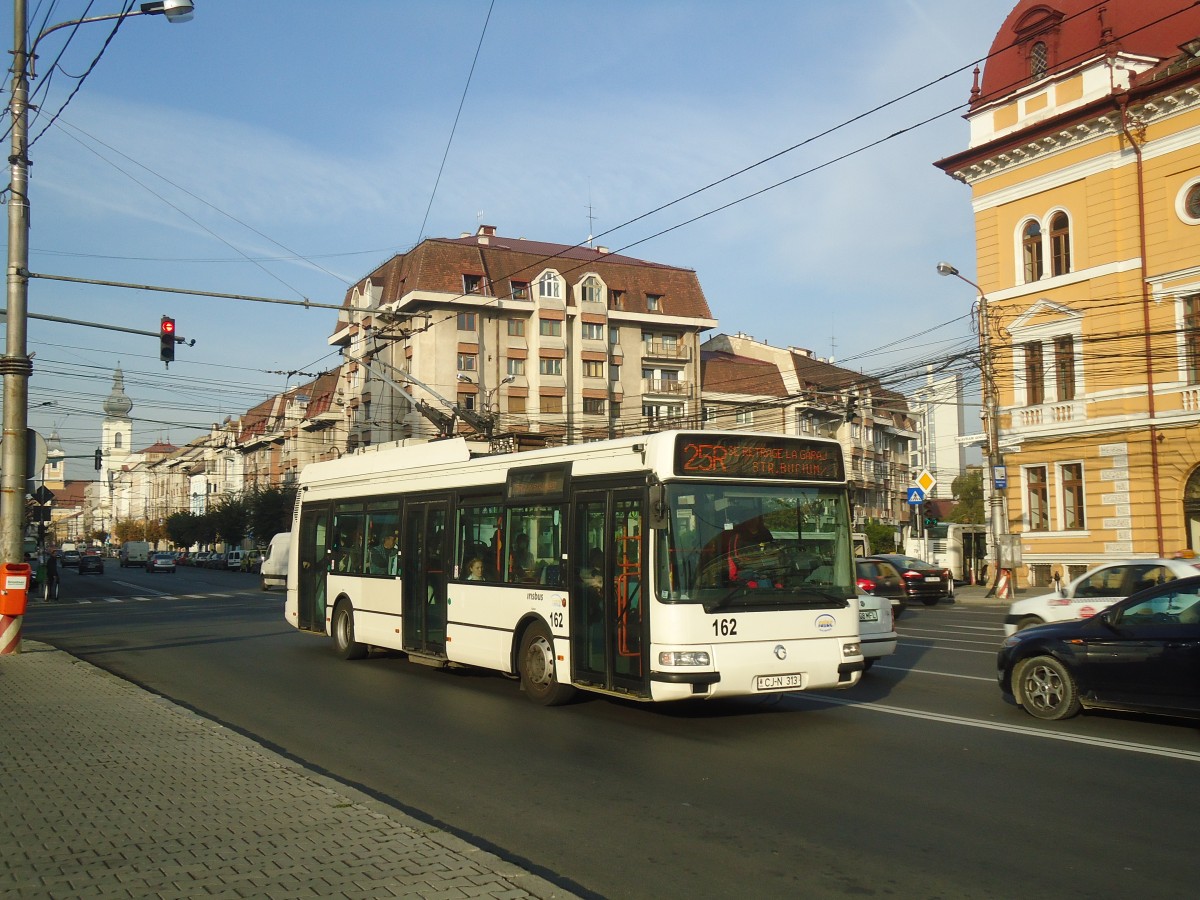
x=166 y=340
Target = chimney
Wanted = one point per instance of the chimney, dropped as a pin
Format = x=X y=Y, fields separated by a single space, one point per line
x=486 y=231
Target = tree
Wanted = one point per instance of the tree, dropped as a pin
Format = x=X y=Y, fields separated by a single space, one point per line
x=231 y=519
x=881 y=536
x=183 y=529
x=968 y=495
x=129 y=530
x=271 y=510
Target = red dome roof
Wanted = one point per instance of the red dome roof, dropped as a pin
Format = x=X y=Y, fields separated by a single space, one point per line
x=1073 y=31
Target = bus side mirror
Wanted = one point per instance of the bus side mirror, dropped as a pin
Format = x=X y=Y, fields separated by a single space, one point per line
x=657 y=514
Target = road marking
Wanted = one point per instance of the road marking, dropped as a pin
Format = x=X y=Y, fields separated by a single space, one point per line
x=930 y=672
x=1025 y=730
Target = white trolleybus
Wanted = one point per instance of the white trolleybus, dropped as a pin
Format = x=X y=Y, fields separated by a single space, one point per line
x=663 y=567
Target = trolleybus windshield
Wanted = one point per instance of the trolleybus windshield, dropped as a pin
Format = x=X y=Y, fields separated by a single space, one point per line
x=748 y=545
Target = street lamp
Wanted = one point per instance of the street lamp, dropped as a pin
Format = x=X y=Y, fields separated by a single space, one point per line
x=15 y=365
x=995 y=462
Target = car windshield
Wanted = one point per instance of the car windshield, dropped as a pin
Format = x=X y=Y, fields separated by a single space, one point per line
x=911 y=562
x=741 y=545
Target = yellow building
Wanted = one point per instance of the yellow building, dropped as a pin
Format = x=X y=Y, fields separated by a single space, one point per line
x=1084 y=169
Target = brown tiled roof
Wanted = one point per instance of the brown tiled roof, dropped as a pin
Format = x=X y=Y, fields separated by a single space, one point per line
x=729 y=373
x=438 y=264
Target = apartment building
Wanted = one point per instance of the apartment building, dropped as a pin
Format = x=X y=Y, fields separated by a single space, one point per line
x=1084 y=169
x=751 y=385
x=521 y=340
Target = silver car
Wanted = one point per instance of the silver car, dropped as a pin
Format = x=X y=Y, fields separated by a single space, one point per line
x=1096 y=590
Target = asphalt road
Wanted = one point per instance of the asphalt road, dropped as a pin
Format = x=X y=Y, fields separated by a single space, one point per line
x=920 y=782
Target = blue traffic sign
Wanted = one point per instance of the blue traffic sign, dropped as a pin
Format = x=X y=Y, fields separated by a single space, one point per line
x=915 y=496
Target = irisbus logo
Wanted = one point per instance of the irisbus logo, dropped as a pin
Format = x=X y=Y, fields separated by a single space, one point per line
x=825 y=622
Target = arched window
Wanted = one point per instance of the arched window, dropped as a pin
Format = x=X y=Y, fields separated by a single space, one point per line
x=1060 y=244
x=1191 y=510
x=1031 y=249
x=117 y=441
x=1037 y=61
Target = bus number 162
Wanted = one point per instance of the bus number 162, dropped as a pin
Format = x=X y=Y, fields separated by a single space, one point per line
x=724 y=627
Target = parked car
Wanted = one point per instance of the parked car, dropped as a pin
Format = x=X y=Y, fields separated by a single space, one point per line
x=1141 y=654
x=1096 y=590
x=876 y=628
x=70 y=558
x=200 y=559
x=91 y=562
x=233 y=560
x=215 y=561
x=921 y=581
x=880 y=578
x=251 y=560
x=160 y=562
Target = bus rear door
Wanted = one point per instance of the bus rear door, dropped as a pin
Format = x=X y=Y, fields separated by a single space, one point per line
x=313 y=567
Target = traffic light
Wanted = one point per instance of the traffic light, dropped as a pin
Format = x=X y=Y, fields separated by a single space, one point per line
x=99 y=460
x=166 y=340
x=930 y=517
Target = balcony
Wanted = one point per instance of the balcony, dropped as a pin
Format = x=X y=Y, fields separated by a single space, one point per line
x=671 y=350
x=1051 y=414
x=666 y=387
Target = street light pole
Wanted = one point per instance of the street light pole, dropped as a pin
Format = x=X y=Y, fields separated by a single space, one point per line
x=15 y=366
x=995 y=461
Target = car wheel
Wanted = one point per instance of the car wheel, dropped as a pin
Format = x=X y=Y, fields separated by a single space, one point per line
x=1028 y=622
x=343 y=633
x=1046 y=689
x=867 y=663
x=539 y=678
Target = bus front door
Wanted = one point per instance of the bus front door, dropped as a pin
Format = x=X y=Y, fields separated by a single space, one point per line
x=424 y=558
x=313 y=567
x=609 y=627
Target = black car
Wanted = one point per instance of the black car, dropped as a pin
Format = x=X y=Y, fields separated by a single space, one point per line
x=880 y=578
x=91 y=562
x=1139 y=655
x=922 y=581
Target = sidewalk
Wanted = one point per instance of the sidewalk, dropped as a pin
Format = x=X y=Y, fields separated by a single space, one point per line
x=110 y=791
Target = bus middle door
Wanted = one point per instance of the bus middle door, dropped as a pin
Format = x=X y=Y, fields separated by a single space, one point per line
x=424 y=560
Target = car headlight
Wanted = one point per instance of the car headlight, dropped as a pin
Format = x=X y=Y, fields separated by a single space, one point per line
x=684 y=658
x=851 y=648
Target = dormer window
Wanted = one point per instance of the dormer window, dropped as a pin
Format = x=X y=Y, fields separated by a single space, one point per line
x=472 y=284
x=591 y=290
x=549 y=287
x=653 y=302
x=1038 y=61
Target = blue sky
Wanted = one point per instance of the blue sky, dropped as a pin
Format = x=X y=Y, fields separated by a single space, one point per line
x=286 y=149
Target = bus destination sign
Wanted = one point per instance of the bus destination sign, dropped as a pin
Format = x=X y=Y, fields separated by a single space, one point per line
x=717 y=455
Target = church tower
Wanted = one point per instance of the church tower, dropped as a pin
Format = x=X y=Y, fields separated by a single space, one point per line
x=116 y=437
x=54 y=473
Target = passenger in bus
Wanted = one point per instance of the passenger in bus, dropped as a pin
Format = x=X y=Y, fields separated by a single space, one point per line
x=383 y=556
x=475 y=569
x=520 y=564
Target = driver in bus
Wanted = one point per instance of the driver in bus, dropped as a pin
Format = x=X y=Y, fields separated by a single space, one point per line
x=742 y=545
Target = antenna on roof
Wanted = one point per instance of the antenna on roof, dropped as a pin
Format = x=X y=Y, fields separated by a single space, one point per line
x=591 y=218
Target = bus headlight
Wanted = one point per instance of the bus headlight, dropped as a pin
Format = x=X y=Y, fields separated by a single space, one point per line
x=851 y=649
x=684 y=658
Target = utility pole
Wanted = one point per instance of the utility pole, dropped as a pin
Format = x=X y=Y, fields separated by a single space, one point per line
x=991 y=407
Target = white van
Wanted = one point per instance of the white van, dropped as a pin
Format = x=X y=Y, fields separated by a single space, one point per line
x=134 y=553
x=275 y=561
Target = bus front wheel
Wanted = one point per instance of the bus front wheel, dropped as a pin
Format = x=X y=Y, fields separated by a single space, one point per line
x=536 y=661
x=343 y=633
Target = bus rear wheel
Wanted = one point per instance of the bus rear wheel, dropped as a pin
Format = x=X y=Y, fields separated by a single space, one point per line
x=536 y=663
x=343 y=633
